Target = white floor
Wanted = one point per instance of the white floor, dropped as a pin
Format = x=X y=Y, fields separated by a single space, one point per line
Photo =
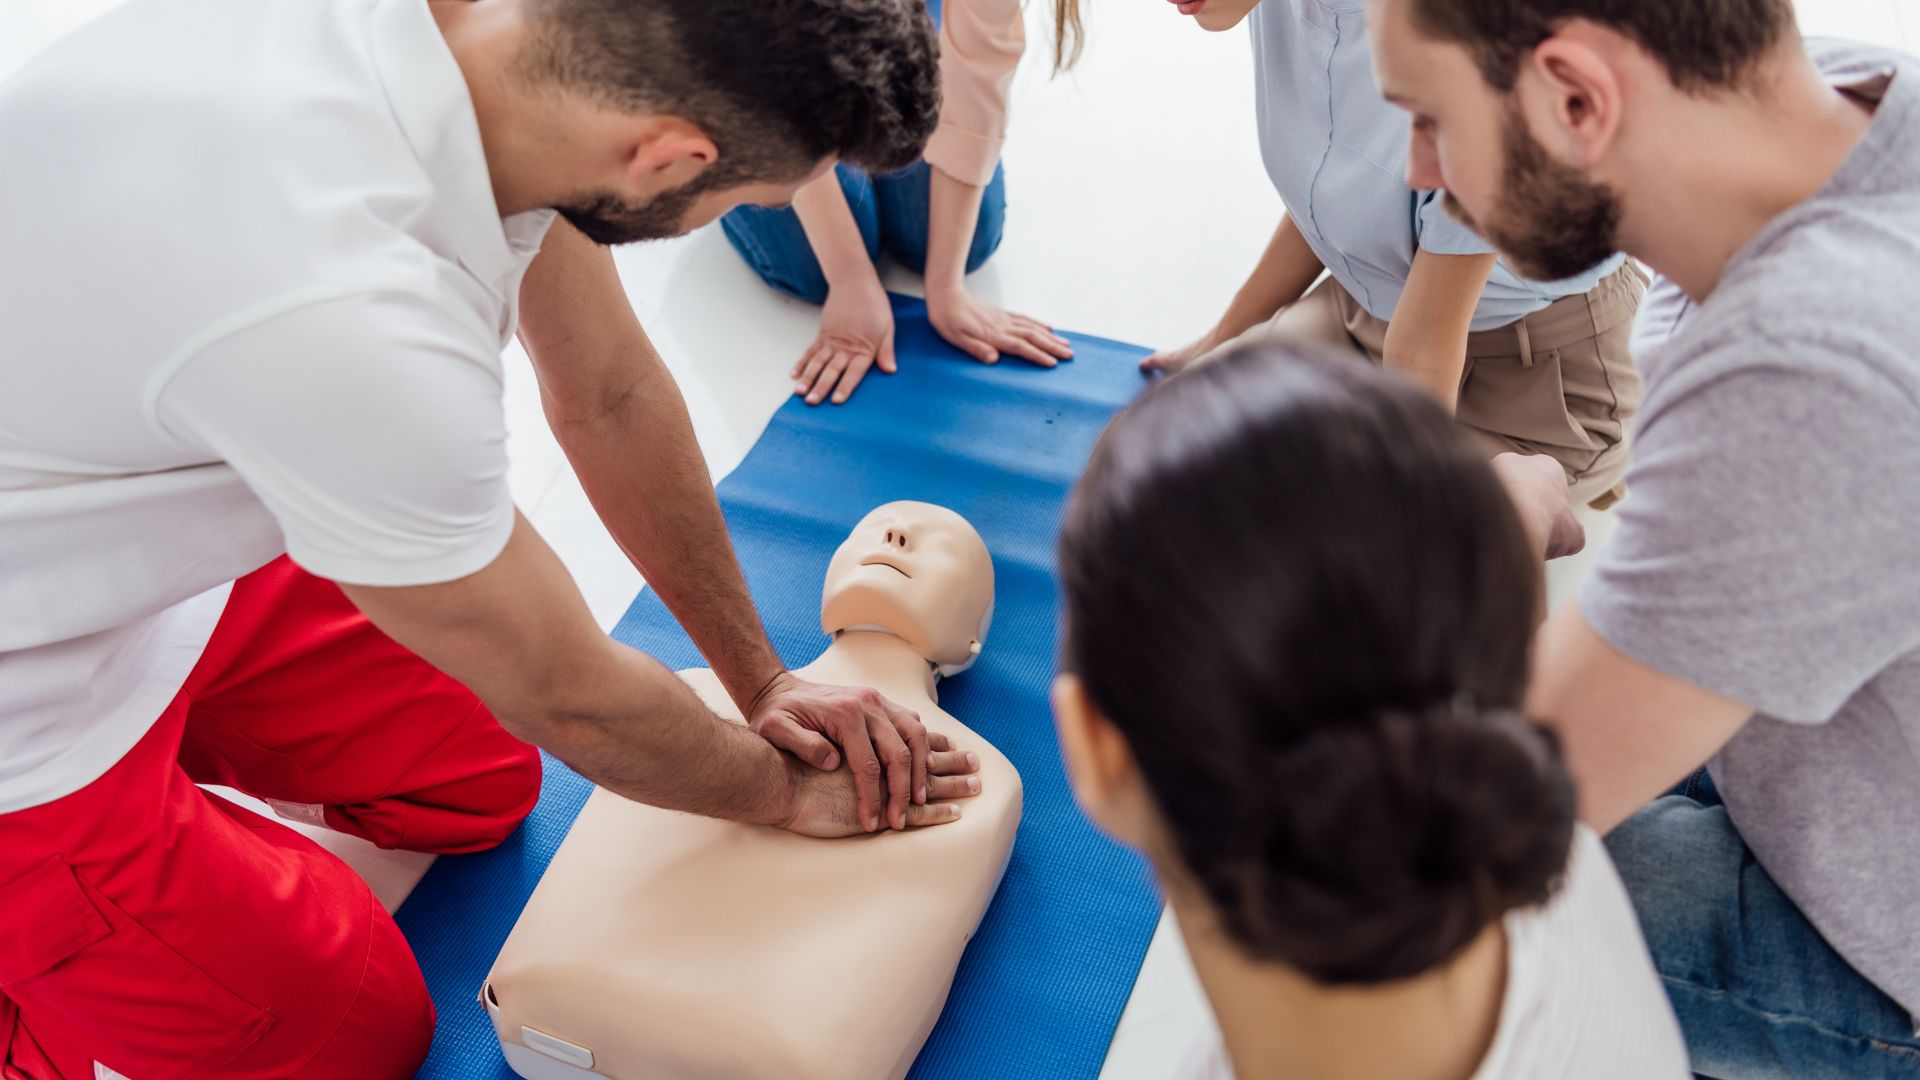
x=1137 y=202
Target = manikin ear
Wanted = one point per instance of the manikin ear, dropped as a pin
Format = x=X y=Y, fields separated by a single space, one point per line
x=665 y=152
x=1106 y=778
x=1571 y=93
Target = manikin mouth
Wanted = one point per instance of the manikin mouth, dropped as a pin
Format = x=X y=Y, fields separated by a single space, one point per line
x=875 y=560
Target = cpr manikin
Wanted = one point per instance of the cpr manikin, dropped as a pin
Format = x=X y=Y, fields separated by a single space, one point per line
x=662 y=946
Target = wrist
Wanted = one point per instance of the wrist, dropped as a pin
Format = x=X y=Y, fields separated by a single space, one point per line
x=769 y=688
x=943 y=287
x=854 y=271
x=781 y=803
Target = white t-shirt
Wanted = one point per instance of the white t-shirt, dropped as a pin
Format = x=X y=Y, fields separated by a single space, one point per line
x=1582 y=1001
x=254 y=289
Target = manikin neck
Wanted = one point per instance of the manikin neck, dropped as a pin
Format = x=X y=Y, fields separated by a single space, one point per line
x=1277 y=1022
x=885 y=655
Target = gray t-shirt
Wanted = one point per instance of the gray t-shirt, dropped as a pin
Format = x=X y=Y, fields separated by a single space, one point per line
x=1770 y=549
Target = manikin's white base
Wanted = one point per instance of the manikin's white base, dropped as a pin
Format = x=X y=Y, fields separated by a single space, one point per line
x=532 y=1064
x=536 y=1066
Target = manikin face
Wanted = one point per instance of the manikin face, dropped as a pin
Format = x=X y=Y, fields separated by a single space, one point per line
x=1545 y=216
x=1215 y=14
x=918 y=571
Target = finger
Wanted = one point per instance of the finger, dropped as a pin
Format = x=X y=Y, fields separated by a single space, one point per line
x=869 y=777
x=850 y=378
x=919 y=817
x=887 y=362
x=908 y=724
x=800 y=365
x=896 y=759
x=829 y=374
x=952 y=763
x=1042 y=335
x=953 y=787
x=937 y=741
x=1026 y=350
x=809 y=746
x=815 y=360
x=980 y=350
x=1045 y=342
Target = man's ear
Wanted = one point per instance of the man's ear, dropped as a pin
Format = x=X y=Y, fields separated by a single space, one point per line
x=1106 y=778
x=1572 y=95
x=666 y=152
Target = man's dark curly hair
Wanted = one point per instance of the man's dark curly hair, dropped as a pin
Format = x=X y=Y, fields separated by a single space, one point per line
x=778 y=85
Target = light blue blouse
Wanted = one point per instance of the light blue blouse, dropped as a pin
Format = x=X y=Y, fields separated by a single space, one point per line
x=1337 y=153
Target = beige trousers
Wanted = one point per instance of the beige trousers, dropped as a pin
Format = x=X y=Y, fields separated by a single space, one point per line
x=1559 y=382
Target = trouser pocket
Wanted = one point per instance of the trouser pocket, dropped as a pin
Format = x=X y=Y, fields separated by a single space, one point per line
x=91 y=984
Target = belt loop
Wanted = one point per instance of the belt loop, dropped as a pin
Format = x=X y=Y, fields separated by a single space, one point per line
x=1526 y=342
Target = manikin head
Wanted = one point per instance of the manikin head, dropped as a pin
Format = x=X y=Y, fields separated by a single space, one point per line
x=1297 y=624
x=916 y=571
x=1538 y=117
x=643 y=119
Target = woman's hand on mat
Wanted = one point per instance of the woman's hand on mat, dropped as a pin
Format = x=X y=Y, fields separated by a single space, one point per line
x=1538 y=487
x=826 y=805
x=1174 y=361
x=884 y=746
x=986 y=333
x=856 y=333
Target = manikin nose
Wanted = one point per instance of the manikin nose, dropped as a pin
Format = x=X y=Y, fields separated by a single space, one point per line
x=897 y=538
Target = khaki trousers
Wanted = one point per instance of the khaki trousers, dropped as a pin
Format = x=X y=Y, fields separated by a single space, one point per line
x=1559 y=382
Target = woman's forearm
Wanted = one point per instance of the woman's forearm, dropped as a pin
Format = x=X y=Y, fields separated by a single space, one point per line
x=832 y=232
x=953 y=212
x=1287 y=268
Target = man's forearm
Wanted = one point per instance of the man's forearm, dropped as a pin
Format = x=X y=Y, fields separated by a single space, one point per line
x=666 y=748
x=1427 y=336
x=618 y=414
x=642 y=468
x=517 y=633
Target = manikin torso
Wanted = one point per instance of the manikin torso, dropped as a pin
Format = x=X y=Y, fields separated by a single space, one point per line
x=671 y=946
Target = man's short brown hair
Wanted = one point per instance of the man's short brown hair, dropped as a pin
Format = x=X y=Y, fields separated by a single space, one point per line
x=1705 y=45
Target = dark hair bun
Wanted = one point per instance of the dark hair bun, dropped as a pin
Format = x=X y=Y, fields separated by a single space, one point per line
x=1388 y=843
x=1303 y=597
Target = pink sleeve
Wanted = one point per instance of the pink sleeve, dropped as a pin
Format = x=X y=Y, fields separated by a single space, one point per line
x=980 y=46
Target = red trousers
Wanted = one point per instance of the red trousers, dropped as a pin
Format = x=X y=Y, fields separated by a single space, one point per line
x=163 y=932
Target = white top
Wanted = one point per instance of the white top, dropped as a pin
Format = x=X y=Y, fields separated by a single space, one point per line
x=255 y=288
x=1582 y=1000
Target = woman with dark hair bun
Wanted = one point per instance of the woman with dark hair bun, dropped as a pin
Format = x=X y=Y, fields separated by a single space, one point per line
x=1298 y=613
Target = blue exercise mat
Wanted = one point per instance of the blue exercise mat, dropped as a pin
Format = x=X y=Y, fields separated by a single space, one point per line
x=1042 y=984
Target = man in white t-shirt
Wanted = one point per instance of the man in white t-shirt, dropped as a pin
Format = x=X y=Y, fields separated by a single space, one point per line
x=261 y=259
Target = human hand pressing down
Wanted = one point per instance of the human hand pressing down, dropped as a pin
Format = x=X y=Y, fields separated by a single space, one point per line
x=825 y=804
x=856 y=333
x=987 y=333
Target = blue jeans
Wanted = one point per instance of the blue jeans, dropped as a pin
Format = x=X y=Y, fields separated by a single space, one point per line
x=1759 y=993
x=891 y=211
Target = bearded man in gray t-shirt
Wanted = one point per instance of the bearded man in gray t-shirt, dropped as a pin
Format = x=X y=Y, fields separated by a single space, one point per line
x=1758 y=612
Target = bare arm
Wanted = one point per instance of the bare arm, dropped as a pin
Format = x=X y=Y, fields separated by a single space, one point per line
x=519 y=635
x=618 y=414
x=1630 y=732
x=981 y=330
x=1427 y=337
x=1287 y=268
x=856 y=321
